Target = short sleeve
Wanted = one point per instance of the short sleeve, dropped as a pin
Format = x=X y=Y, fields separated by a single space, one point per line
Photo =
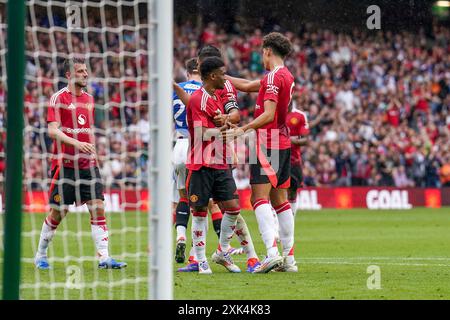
x=229 y=98
x=52 y=110
x=198 y=115
x=304 y=125
x=273 y=86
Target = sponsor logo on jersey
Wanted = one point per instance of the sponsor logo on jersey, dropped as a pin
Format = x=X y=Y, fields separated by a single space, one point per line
x=77 y=130
x=82 y=119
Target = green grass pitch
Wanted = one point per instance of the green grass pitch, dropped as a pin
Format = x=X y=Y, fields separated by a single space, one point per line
x=334 y=249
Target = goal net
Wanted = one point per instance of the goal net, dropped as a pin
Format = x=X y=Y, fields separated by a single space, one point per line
x=112 y=37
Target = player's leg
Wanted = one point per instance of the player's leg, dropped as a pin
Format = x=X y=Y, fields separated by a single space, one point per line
x=61 y=194
x=48 y=230
x=296 y=182
x=199 y=184
x=279 y=200
x=224 y=191
x=246 y=242
x=91 y=193
x=263 y=212
x=216 y=216
x=262 y=181
x=182 y=211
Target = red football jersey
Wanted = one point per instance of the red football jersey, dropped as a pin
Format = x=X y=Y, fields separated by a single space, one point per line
x=75 y=114
x=200 y=112
x=228 y=96
x=277 y=86
x=297 y=123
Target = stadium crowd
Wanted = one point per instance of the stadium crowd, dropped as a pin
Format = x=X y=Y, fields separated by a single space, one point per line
x=378 y=103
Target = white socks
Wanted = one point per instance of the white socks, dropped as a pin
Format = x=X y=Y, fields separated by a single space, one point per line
x=286 y=221
x=263 y=212
x=199 y=227
x=244 y=237
x=227 y=228
x=48 y=231
x=100 y=236
x=293 y=204
x=181 y=233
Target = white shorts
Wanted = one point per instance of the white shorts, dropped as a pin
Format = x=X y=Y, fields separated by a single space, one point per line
x=179 y=157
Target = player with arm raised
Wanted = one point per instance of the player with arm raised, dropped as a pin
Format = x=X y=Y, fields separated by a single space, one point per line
x=75 y=174
x=270 y=176
x=228 y=98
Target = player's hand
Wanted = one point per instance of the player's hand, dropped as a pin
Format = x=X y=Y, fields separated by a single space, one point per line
x=231 y=131
x=85 y=147
x=220 y=119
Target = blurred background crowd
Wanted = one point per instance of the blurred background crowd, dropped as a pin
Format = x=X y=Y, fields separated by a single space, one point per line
x=378 y=102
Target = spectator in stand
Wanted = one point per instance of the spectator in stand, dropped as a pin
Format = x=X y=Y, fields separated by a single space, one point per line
x=378 y=103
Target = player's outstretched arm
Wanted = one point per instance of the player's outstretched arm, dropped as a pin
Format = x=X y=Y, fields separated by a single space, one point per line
x=183 y=95
x=55 y=133
x=266 y=117
x=245 y=85
x=299 y=141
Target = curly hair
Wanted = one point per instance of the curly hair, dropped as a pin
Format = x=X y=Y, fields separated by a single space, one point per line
x=279 y=44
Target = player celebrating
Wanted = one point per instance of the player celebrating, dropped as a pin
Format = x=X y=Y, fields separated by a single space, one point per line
x=228 y=98
x=75 y=175
x=298 y=125
x=274 y=97
x=180 y=154
x=209 y=174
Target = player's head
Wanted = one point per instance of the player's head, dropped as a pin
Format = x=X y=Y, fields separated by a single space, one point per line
x=207 y=52
x=275 y=44
x=76 y=72
x=192 y=67
x=212 y=71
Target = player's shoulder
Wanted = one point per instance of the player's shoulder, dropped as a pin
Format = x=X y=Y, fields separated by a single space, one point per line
x=280 y=72
x=196 y=95
x=58 y=95
x=300 y=114
x=190 y=85
x=87 y=96
x=229 y=87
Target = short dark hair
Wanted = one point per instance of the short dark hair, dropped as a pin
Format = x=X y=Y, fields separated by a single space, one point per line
x=209 y=65
x=192 y=66
x=279 y=44
x=208 y=51
x=69 y=63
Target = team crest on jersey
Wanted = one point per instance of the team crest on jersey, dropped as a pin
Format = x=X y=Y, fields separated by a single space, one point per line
x=194 y=198
x=294 y=121
x=89 y=106
x=57 y=198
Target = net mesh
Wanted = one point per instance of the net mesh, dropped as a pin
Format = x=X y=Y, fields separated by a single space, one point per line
x=112 y=36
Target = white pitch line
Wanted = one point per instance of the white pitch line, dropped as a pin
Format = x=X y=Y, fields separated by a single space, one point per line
x=379 y=258
x=382 y=263
x=368 y=261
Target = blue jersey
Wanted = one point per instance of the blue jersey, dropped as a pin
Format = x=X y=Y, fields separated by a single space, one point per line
x=179 y=109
